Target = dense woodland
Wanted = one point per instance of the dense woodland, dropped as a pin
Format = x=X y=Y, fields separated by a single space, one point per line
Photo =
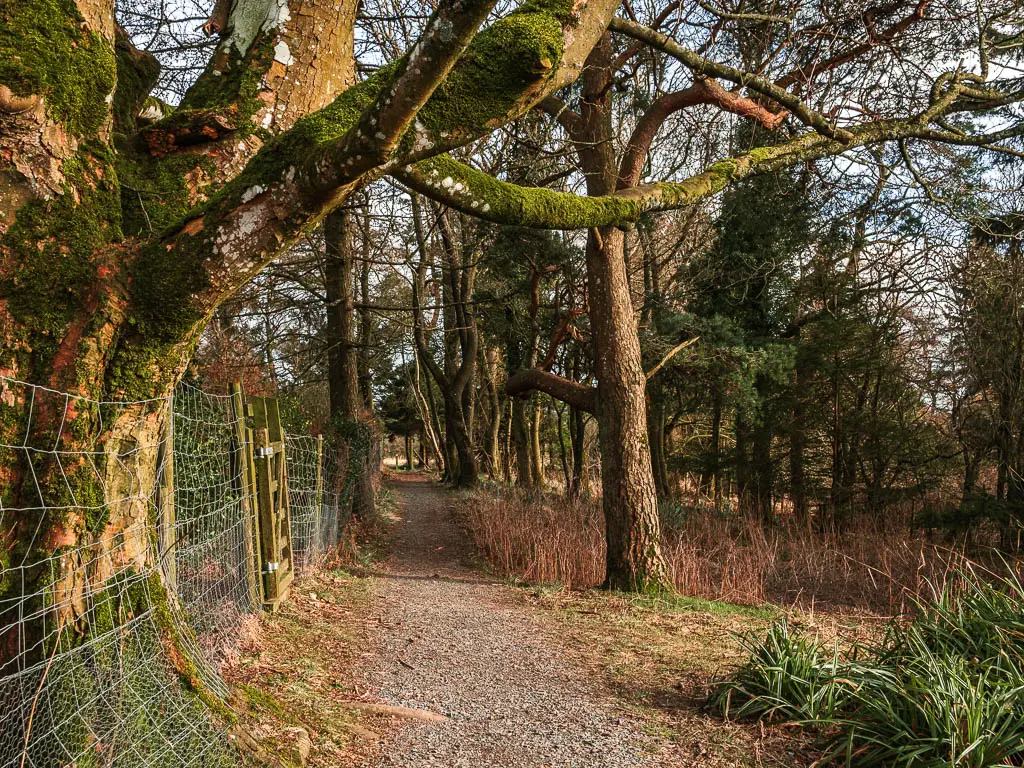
x=814 y=351
x=668 y=263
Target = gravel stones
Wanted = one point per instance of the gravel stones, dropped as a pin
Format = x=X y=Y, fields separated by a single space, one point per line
x=451 y=642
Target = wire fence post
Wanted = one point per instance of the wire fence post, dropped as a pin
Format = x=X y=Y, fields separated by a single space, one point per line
x=166 y=518
x=319 y=497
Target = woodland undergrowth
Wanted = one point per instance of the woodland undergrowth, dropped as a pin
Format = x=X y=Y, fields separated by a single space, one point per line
x=943 y=689
x=880 y=567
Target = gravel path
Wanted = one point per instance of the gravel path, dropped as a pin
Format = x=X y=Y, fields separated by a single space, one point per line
x=451 y=642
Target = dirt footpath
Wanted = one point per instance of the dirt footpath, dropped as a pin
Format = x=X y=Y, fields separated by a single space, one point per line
x=446 y=640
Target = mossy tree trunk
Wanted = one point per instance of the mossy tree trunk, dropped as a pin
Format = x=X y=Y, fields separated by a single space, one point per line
x=634 y=559
x=93 y=305
x=118 y=241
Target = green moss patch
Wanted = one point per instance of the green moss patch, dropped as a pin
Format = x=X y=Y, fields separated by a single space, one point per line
x=501 y=63
x=52 y=249
x=45 y=50
x=137 y=74
x=156 y=194
x=234 y=81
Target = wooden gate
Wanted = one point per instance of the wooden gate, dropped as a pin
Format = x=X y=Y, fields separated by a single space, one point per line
x=263 y=473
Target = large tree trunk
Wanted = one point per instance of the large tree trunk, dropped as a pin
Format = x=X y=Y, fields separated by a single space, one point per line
x=89 y=305
x=630 y=501
x=629 y=498
x=349 y=417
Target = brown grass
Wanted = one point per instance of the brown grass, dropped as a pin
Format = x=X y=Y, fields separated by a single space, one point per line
x=867 y=567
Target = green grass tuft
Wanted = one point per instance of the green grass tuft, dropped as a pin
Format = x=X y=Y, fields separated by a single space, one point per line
x=946 y=689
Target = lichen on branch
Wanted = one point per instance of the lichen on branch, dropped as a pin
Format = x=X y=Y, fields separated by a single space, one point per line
x=478 y=194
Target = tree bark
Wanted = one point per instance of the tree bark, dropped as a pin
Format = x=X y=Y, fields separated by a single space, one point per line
x=347 y=404
x=630 y=501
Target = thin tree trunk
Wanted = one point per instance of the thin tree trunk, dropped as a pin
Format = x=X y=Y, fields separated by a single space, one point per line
x=507 y=453
x=491 y=368
x=520 y=431
x=716 y=447
x=577 y=435
x=562 y=453
x=537 y=458
x=763 y=471
x=797 y=450
x=656 y=437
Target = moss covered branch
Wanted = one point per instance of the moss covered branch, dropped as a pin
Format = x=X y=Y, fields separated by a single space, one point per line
x=415 y=77
x=478 y=194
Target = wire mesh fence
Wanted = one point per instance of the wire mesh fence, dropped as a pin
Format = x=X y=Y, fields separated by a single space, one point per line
x=110 y=650
x=214 y=564
x=304 y=455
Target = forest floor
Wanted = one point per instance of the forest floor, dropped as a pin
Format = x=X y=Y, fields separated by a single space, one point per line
x=423 y=659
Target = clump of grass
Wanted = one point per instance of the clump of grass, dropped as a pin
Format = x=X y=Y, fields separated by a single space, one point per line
x=945 y=689
x=790 y=676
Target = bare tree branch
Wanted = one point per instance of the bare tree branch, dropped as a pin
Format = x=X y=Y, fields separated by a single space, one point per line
x=575 y=394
